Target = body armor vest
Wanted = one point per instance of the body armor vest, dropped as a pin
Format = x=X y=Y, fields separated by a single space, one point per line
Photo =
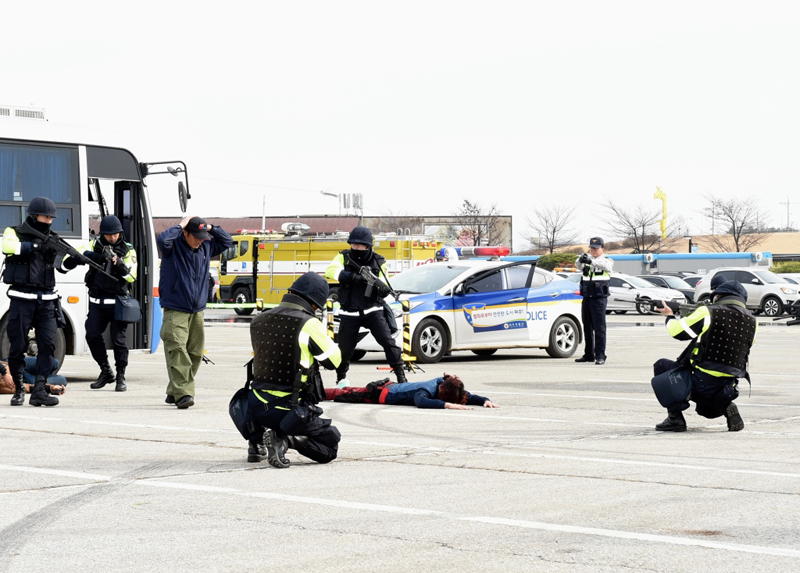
x=96 y=281
x=34 y=271
x=352 y=297
x=276 y=348
x=726 y=346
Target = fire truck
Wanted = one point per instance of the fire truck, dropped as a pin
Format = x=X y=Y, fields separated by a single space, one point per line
x=262 y=264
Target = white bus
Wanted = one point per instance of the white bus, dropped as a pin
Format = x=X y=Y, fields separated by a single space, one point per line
x=87 y=177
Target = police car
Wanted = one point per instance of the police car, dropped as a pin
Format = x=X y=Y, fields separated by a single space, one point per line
x=481 y=306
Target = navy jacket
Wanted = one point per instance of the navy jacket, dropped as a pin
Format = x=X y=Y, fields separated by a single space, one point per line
x=183 y=284
x=423 y=395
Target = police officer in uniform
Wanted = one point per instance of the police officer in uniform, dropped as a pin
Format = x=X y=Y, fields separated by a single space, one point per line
x=595 y=269
x=30 y=270
x=358 y=309
x=119 y=258
x=289 y=343
x=721 y=336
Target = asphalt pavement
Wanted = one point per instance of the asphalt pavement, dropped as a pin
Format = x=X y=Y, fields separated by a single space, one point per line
x=568 y=475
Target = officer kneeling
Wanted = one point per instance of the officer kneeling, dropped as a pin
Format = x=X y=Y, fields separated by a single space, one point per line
x=707 y=371
x=289 y=343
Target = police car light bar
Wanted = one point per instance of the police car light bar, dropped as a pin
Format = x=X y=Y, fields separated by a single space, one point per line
x=467 y=252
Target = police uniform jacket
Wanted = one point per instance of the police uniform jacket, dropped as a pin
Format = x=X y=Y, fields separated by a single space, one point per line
x=352 y=288
x=288 y=340
x=595 y=276
x=27 y=270
x=721 y=336
x=183 y=282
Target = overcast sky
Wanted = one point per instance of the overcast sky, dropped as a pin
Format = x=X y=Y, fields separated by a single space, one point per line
x=419 y=105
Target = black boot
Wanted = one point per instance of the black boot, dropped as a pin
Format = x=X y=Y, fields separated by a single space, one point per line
x=277 y=445
x=256 y=451
x=735 y=422
x=675 y=422
x=106 y=377
x=298 y=443
x=121 y=386
x=400 y=373
x=39 y=395
x=18 y=399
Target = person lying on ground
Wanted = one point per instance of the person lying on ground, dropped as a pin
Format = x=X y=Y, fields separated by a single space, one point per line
x=56 y=384
x=444 y=392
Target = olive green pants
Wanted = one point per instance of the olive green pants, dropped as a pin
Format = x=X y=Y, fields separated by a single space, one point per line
x=184 y=342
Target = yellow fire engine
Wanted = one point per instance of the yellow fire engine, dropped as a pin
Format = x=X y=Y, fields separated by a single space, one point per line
x=277 y=259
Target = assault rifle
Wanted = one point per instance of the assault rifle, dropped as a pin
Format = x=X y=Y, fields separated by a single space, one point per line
x=371 y=280
x=792 y=314
x=61 y=248
x=653 y=305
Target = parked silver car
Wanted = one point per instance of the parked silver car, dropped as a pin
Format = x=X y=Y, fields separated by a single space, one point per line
x=626 y=288
x=766 y=291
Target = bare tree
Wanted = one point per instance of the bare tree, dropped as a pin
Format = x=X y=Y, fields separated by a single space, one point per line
x=394 y=222
x=478 y=226
x=549 y=227
x=740 y=218
x=638 y=225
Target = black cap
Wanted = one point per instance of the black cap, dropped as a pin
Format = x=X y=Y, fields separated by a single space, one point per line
x=42 y=206
x=596 y=242
x=732 y=288
x=311 y=287
x=198 y=228
x=360 y=235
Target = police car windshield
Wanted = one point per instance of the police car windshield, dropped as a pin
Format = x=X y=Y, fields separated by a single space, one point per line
x=770 y=278
x=426 y=278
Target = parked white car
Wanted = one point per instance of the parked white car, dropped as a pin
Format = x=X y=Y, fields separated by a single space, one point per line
x=766 y=292
x=626 y=288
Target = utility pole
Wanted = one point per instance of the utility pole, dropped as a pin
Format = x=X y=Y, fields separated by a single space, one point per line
x=787 y=212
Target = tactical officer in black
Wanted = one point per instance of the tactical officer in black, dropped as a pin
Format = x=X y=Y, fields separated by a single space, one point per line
x=119 y=259
x=707 y=371
x=30 y=267
x=359 y=309
x=289 y=343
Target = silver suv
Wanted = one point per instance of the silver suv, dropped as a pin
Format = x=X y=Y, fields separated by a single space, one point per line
x=766 y=291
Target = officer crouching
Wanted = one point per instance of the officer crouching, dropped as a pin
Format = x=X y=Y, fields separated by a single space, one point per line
x=708 y=369
x=289 y=343
x=30 y=270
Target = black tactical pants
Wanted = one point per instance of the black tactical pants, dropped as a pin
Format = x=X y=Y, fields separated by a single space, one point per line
x=711 y=394
x=100 y=316
x=323 y=438
x=593 y=315
x=41 y=316
x=347 y=339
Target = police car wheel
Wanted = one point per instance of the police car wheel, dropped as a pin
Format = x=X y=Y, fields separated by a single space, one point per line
x=240 y=296
x=564 y=338
x=430 y=341
x=772 y=306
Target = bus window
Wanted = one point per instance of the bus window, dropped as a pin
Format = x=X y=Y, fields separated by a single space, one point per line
x=28 y=171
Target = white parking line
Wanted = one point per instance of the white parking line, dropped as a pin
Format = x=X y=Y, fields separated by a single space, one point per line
x=489 y=520
x=618 y=398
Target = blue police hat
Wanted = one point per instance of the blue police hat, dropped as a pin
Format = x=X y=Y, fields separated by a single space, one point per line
x=596 y=243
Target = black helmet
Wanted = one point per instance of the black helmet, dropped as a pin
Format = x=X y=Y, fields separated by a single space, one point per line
x=360 y=235
x=311 y=287
x=110 y=225
x=716 y=281
x=731 y=288
x=42 y=206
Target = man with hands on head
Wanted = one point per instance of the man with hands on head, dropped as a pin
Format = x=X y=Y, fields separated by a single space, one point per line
x=186 y=251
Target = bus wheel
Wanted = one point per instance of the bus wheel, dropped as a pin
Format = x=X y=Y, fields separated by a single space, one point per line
x=240 y=296
x=32 y=350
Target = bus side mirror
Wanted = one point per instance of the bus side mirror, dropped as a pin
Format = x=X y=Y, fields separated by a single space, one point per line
x=183 y=197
